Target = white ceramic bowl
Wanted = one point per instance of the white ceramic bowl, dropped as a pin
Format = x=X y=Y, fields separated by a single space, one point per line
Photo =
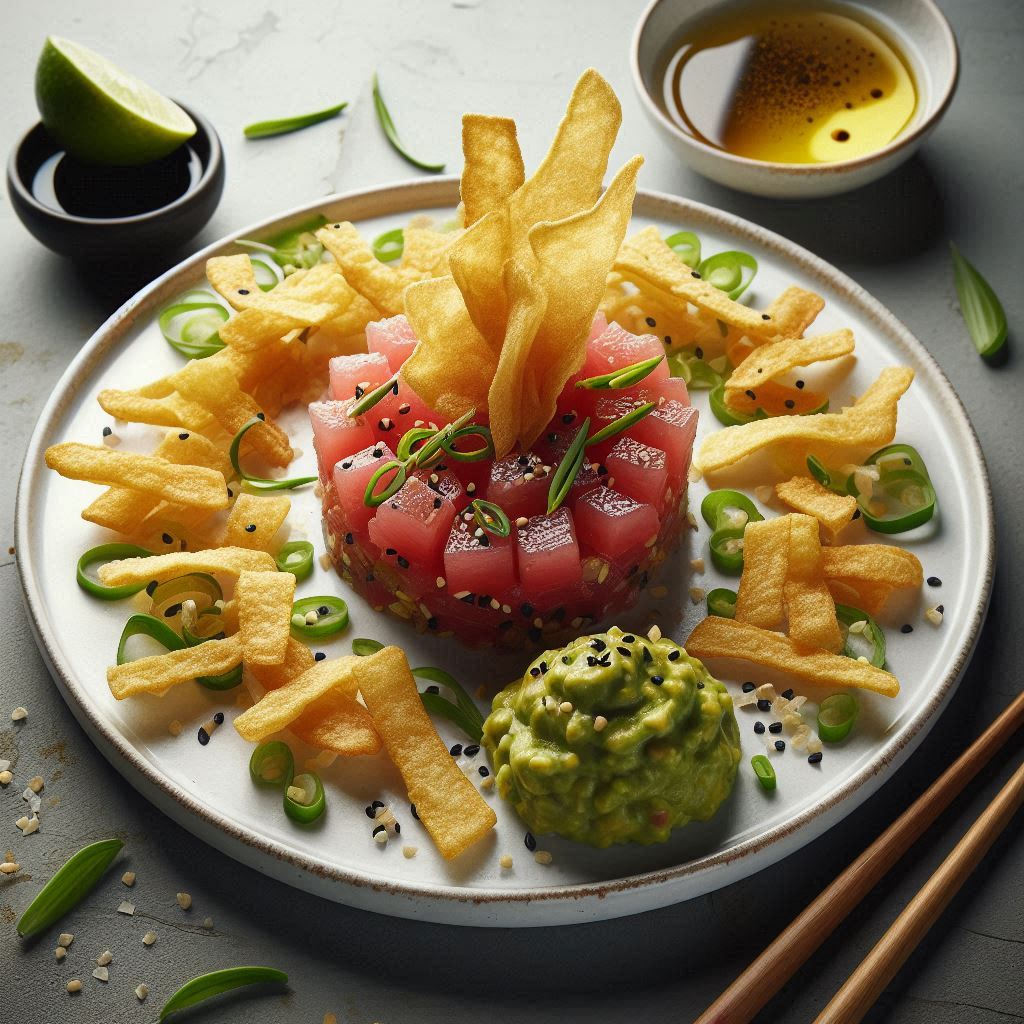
x=919 y=27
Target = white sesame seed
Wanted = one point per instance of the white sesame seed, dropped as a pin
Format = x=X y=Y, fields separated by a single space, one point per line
x=28 y=825
x=471 y=488
x=60 y=952
x=184 y=900
x=325 y=561
x=73 y=986
x=522 y=521
x=6 y=778
x=565 y=707
x=697 y=564
x=312 y=617
x=441 y=582
x=141 y=991
x=208 y=923
x=149 y=938
x=538 y=622
x=65 y=939
x=599 y=723
x=505 y=861
x=9 y=867
x=105 y=958
x=934 y=616
x=654 y=634
x=128 y=878
x=543 y=857
x=101 y=973
x=763 y=493
x=693 y=474
x=381 y=837
x=697 y=594
x=174 y=727
x=126 y=908
x=487 y=782
x=36 y=784
x=408 y=852
x=19 y=714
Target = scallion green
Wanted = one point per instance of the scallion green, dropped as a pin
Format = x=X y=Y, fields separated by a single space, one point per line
x=980 y=306
x=391 y=132
x=259 y=483
x=216 y=982
x=284 y=125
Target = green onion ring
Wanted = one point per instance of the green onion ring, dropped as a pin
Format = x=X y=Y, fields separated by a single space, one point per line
x=433 y=448
x=686 y=245
x=272 y=765
x=873 y=634
x=486 y=451
x=491 y=517
x=194 y=337
x=333 y=622
x=363 y=647
x=389 y=246
x=147 y=625
x=306 y=808
x=374 y=499
x=836 y=717
x=624 y=377
x=259 y=483
x=296 y=557
x=411 y=437
x=765 y=772
x=108 y=553
x=722 y=602
x=730 y=272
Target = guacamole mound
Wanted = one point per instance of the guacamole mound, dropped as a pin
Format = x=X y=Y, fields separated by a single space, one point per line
x=614 y=739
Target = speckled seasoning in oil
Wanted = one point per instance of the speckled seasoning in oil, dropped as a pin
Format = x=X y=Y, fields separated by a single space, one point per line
x=789 y=85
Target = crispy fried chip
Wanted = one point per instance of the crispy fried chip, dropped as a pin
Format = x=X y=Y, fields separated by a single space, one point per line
x=842 y=436
x=170 y=410
x=425 y=253
x=195 y=486
x=336 y=722
x=279 y=708
x=122 y=509
x=381 y=284
x=493 y=164
x=235 y=279
x=254 y=521
x=213 y=386
x=804 y=494
x=447 y=803
x=868 y=597
x=230 y=561
x=264 y=615
x=717 y=637
x=156 y=674
x=791 y=313
x=760 y=598
x=879 y=564
x=809 y=606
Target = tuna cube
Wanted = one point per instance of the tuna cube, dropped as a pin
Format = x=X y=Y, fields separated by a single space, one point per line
x=392 y=338
x=672 y=427
x=547 y=555
x=637 y=470
x=351 y=477
x=519 y=484
x=336 y=434
x=613 y=524
x=353 y=376
x=413 y=525
x=479 y=565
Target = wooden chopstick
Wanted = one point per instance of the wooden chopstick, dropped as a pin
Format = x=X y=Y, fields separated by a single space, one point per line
x=877 y=969
x=780 y=960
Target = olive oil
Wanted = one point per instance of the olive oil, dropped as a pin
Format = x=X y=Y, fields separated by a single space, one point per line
x=795 y=85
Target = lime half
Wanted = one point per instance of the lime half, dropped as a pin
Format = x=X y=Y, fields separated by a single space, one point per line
x=100 y=113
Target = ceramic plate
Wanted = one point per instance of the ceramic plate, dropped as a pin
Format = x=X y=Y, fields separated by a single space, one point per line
x=208 y=790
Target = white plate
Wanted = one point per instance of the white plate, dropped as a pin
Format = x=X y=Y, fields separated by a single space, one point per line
x=207 y=789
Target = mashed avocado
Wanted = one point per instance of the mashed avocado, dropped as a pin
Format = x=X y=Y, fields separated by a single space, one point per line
x=614 y=739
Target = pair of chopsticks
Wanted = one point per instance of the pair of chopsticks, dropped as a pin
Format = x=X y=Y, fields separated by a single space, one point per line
x=782 y=958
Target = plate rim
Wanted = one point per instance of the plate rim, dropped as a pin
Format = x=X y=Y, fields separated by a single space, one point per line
x=777 y=842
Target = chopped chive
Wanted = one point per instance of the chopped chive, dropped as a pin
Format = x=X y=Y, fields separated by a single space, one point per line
x=363 y=647
x=433 y=448
x=485 y=451
x=259 y=483
x=296 y=557
x=686 y=245
x=190 y=325
x=730 y=272
x=565 y=474
x=764 y=771
x=108 y=553
x=624 y=377
x=371 y=398
x=391 y=132
x=389 y=246
x=411 y=437
x=980 y=306
x=284 y=125
x=374 y=499
x=622 y=423
x=216 y=982
x=491 y=517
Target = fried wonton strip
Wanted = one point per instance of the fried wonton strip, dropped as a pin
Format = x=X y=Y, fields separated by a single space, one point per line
x=122 y=508
x=779 y=357
x=156 y=674
x=805 y=494
x=493 y=164
x=254 y=521
x=214 y=388
x=165 y=411
x=381 y=284
x=868 y=597
x=264 y=615
x=447 y=803
x=424 y=254
x=336 y=722
x=230 y=561
x=279 y=708
x=717 y=637
x=760 y=598
x=790 y=314
x=879 y=564
x=195 y=486
x=867 y=425
x=810 y=609
x=234 y=278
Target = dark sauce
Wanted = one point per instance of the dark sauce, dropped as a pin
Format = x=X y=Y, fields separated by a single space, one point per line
x=90 y=190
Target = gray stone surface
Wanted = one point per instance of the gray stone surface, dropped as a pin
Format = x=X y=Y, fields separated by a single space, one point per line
x=239 y=61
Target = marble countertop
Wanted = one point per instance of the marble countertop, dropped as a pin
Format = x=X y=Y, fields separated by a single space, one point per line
x=242 y=61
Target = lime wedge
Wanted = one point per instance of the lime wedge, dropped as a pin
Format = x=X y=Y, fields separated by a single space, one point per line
x=101 y=114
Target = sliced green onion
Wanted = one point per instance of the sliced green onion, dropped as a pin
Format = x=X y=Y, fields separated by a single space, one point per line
x=820 y=472
x=225 y=681
x=190 y=325
x=296 y=557
x=328 y=622
x=68 y=887
x=101 y=555
x=267 y=273
x=695 y=373
x=433 y=448
x=259 y=483
x=622 y=423
x=444 y=708
x=363 y=647
x=389 y=246
x=728 y=512
x=295 y=248
x=411 y=437
x=980 y=306
x=836 y=717
x=167 y=597
x=871 y=633
x=463 y=700
x=730 y=417
x=903 y=497
x=491 y=517
x=284 y=125
x=304 y=798
x=624 y=377
x=686 y=245
x=730 y=272
x=567 y=470
x=373 y=498
x=722 y=602
x=216 y=982
x=484 y=451
x=271 y=764
x=391 y=132
x=147 y=625
x=371 y=398
x=765 y=771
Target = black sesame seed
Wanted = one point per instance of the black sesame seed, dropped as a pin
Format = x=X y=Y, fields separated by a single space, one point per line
x=243 y=291
x=780 y=745
x=412 y=811
x=219 y=717
x=456 y=750
x=251 y=528
x=531 y=843
x=347 y=464
x=349 y=538
x=172 y=610
x=390 y=551
x=472 y=750
x=625 y=652
x=483 y=600
x=700 y=685
x=403 y=562
x=657 y=680
x=370 y=813
x=398 y=829
x=800 y=384
x=433 y=689
x=568 y=417
x=789 y=403
x=775 y=727
x=668 y=339
x=183 y=436
x=759 y=728
x=150 y=587
x=764 y=704
x=941 y=609
x=543 y=667
x=468 y=598
x=673 y=655
x=787 y=694
x=378 y=803
x=231 y=493
x=359 y=391
x=765 y=316
x=167 y=538
x=378 y=453
x=629 y=639
x=527 y=610
x=319 y=656
x=647 y=654
x=814 y=758
x=262 y=416
x=432 y=623
x=934 y=581
x=377 y=831
x=856 y=513
x=750 y=394
x=437 y=503
x=552 y=437
x=651 y=322
x=749 y=687
x=699 y=352
x=484 y=541
x=370 y=577
x=484 y=771
x=693 y=273
x=204 y=737
x=107 y=431
x=534 y=671
x=591 y=660
x=598 y=644
x=906 y=628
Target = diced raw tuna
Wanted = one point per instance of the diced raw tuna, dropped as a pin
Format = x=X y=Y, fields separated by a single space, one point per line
x=393 y=338
x=614 y=524
x=447 y=484
x=351 y=476
x=519 y=484
x=548 y=556
x=413 y=525
x=336 y=434
x=671 y=388
x=353 y=376
x=397 y=413
x=672 y=427
x=637 y=470
x=478 y=565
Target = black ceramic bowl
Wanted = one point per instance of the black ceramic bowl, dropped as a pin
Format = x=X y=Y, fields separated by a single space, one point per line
x=98 y=236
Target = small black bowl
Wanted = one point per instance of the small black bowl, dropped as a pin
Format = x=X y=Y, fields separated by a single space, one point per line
x=96 y=236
